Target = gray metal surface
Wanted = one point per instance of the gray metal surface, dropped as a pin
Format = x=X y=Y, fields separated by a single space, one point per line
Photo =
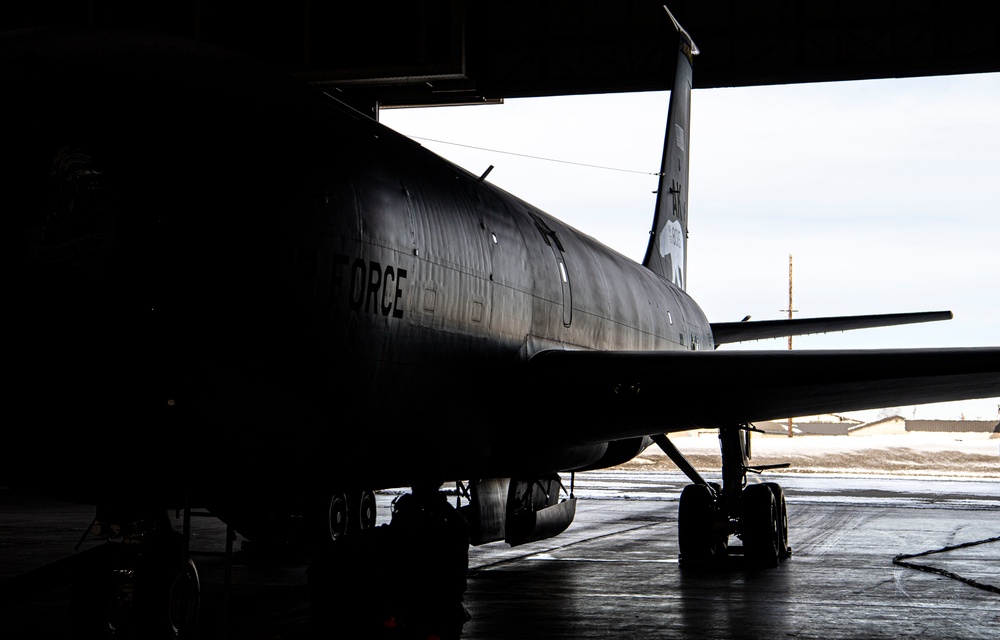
x=614 y=572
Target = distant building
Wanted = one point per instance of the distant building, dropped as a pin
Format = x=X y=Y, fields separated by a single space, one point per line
x=836 y=425
x=827 y=424
x=892 y=425
x=951 y=426
x=772 y=428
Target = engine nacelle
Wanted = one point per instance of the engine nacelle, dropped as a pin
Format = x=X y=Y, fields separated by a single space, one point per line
x=619 y=452
x=518 y=510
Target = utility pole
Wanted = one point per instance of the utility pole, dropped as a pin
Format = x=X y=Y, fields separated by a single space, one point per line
x=790 y=311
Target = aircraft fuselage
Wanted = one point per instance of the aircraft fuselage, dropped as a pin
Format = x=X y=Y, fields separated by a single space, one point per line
x=302 y=293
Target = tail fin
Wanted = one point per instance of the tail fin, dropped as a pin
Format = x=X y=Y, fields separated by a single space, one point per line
x=666 y=254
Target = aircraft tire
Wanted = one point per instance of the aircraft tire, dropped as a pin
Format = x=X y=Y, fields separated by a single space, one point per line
x=168 y=592
x=184 y=601
x=694 y=526
x=147 y=596
x=327 y=521
x=784 y=550
x=759 y=526
x=336 y=517
x=363 y=508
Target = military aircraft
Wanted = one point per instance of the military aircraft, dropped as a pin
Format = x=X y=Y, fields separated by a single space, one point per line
x=229 y=291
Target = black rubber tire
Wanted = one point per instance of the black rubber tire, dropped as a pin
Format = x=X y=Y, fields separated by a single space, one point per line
x=758 y=526
x=363 y=510
x=696 y=538
x=337 y=516
x=127 y=595
x=168 y=591
x=184 y=601
x=784 y=550
x=327 y=521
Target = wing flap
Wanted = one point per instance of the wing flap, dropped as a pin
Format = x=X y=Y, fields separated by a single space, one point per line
x=602 y=395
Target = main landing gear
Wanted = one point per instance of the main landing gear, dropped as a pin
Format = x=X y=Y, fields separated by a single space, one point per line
x=400 y=580
x=341 y=514
x=710 y=513
x=141 y=584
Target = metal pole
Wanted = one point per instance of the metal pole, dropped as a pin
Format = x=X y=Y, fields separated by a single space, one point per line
x=790 y=310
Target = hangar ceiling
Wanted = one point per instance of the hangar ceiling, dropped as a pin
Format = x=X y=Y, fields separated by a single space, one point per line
x=459 y=51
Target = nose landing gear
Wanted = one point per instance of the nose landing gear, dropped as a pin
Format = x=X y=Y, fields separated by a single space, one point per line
x=141 y=583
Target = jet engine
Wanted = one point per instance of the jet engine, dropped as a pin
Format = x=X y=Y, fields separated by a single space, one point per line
x=518 y=510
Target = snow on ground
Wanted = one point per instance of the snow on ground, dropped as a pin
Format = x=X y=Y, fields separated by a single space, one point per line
x=973 y=455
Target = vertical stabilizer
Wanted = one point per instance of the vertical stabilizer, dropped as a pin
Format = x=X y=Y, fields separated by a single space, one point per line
x=666 y=254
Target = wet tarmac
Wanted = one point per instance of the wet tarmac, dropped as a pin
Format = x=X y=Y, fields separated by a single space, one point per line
x=614 y=572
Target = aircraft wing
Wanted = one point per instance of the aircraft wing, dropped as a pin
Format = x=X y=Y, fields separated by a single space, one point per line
x=602 y=395
x=728 y=332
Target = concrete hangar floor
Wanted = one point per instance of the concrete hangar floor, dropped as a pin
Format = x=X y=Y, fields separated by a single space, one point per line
x=614 y=572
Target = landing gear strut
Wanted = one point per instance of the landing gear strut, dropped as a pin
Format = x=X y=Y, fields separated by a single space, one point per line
x=709 y=513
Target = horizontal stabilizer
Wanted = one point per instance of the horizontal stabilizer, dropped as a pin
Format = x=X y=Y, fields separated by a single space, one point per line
x=606 y=395
x=729 y=332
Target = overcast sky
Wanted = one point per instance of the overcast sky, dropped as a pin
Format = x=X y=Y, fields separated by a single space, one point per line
x=885 y=192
